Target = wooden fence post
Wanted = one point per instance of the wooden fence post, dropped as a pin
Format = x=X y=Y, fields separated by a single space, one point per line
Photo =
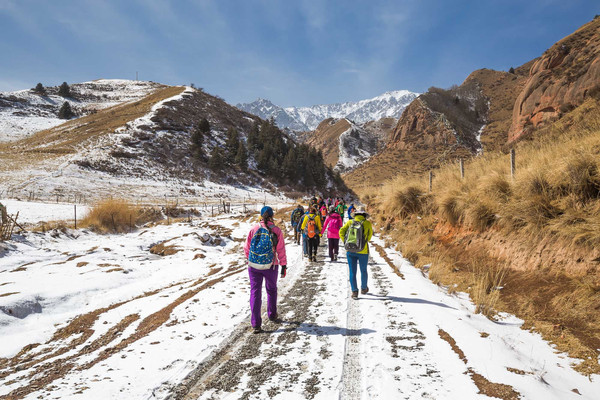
x=75 y=209
x=430 y=181
x=462 y=169
x=512 y=163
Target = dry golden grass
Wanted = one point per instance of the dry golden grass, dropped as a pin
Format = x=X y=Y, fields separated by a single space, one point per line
x=112 y=216
x=486 y=290
x=538 y=232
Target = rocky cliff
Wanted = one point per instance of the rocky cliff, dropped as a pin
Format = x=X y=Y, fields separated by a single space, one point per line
x=559 y=81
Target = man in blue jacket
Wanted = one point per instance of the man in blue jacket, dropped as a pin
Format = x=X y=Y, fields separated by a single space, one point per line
x=351 y=211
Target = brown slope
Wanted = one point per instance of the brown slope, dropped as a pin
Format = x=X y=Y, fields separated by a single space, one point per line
x=559 y=81
x=501 y=89
x=327 y=138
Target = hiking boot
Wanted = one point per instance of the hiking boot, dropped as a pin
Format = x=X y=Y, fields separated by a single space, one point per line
x=364 y=291
x=275 y=319
x=335 y=257
x=355 y=295
x=256 y=329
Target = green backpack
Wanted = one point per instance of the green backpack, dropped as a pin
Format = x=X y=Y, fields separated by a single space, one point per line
x=354 y=240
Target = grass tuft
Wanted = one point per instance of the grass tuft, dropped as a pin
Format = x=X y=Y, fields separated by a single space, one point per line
x=112 y=216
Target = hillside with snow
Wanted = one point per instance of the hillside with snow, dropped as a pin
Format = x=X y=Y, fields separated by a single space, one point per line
x=24 y=112
x=138 y=144
x=388 y=105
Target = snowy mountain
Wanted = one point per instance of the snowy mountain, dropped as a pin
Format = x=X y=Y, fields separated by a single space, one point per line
x=389 y=104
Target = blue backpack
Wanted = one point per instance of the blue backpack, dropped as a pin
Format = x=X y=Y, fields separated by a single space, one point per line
x=261 y=253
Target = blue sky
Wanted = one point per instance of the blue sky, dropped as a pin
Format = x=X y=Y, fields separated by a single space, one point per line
x=293 y=52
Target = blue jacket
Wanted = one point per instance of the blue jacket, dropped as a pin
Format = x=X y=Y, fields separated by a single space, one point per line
x=350 y=209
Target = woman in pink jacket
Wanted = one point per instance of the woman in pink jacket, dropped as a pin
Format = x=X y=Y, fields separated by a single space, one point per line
x=332 y=224
x=265 y=253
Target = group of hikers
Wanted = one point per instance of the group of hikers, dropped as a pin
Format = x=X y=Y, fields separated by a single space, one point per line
x=266 y=253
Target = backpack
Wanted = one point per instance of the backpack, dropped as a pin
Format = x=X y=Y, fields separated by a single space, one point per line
x=323 y=211
x=297 y=215
x=354 y=240
x=261 y=254
x=311 y=227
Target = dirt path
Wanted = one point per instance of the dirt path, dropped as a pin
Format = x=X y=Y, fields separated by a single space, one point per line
x=330 y=346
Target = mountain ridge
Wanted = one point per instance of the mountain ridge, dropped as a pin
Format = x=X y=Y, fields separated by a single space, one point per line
x=302 y=119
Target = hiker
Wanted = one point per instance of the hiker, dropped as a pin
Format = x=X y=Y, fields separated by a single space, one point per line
x=341 y=208
x=311 y=226
x=356 y=234
x=332 y=225
x=323 y=212
x=4 y=214
x=265 y=252
x=351 y=211
x=297 y=215
x=304 y=238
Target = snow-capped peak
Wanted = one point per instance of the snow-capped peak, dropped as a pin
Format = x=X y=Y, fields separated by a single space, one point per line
x=389 y=104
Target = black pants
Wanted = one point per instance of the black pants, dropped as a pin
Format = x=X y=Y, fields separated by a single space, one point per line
x=313 y=245
x=334 y=247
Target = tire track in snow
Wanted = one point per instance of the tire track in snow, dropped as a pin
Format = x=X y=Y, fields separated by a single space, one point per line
x=233 y=366
x=351 y=376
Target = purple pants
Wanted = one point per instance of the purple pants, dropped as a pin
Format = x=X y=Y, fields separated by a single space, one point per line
x=256 y=281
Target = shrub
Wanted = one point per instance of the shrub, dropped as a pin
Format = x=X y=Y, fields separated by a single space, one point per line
x=410 y=201
x=581 y=178
x=452 y=208
x=112 y=216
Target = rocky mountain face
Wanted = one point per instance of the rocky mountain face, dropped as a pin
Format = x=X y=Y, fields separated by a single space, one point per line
x=301 y=119
x=559 y=81
x=489 y=110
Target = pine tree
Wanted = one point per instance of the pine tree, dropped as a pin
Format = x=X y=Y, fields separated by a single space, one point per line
x=65 y=111
x=262 y=161
x=64 y=90
x=40 y=89
x=231 y=145
x=289 y=164
x=197 y=142
x=215 y=162
x=241 y=158
x=253 y=138
x=511 y=70
x=204 y=126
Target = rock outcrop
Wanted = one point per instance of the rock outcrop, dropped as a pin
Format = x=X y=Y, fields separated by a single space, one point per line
x=559 y=81
x=420 y=126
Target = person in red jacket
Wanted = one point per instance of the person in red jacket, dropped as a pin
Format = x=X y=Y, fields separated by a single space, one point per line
x=269 y=272
x=332 y=225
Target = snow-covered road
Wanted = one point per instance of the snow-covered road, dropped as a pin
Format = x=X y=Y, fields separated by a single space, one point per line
x=96 y=317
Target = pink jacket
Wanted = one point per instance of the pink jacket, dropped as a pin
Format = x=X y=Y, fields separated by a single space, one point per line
x=280 y=257
x=333 y=223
